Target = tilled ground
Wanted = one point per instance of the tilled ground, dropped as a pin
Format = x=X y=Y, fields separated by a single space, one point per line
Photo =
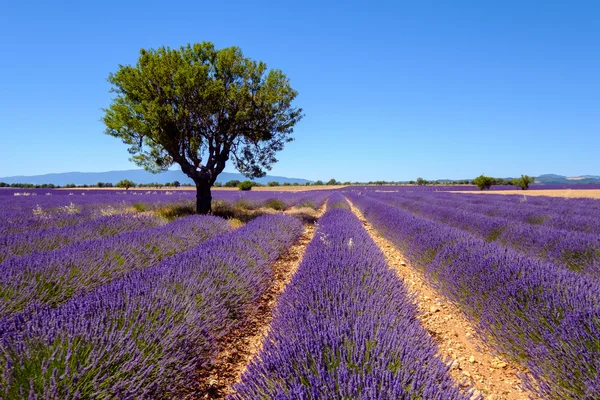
x=472 y=362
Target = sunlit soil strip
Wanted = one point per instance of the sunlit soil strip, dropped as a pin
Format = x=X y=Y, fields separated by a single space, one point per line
x=242 y=344
x=472 y=361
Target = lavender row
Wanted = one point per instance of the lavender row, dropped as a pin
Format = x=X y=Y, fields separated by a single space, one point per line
x=588 y=207
x=345 y=327
x=337 y=200
x=546 y=318
x=42 y=212
x=20 y=214
x=50 y=278
x=567 y=215
x=144 y=335
x=56 y=238
x=258 y=198
x=577 y=251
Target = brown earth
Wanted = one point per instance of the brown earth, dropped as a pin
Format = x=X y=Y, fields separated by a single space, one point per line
x=472 y=361
x=240 y=346
x=569 y=193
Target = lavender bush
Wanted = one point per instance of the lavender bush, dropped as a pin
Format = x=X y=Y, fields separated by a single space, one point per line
x=56 y=238
x=53 y=277
x=146 y=334
x=346 y=328
x=544 y=317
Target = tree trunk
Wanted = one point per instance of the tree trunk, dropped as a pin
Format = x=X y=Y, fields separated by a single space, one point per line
x=203 y=197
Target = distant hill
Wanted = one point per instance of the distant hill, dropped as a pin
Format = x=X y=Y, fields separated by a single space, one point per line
x=553 y=179
x=135 y=175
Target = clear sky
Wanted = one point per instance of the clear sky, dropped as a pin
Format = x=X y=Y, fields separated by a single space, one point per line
x=391 y=90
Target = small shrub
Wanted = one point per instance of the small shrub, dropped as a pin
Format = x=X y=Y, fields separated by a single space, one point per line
x=140 y=207
x=244 y=205
x=222 y=209
x=275 y=204
x=174 y=211
x=307 y=204
x=246 y=185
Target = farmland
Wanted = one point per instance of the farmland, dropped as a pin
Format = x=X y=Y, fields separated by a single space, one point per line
x=352 y=292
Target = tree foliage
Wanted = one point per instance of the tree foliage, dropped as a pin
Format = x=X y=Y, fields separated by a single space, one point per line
x=524 y=181
x=198 y=107
x=125 y=183
x=232 y=183
x=245 y=185
x=483 y=182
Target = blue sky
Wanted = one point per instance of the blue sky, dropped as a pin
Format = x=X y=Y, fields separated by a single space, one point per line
x=391 y=91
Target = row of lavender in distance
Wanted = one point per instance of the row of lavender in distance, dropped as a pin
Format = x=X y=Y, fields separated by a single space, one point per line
x=346 y=328
x=532 y=209
x=564 y=214
x=574 y=250
x=312 y=198
x=49 y=278
x=21 y=214
x=56 y=238
x=544 y=317
x=146 y=334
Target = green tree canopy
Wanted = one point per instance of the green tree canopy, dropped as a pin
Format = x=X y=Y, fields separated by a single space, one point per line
x=198 y=107
x=483 y=182
x=524 y=181
x=246 y=185
x=232 y=183
x=125 y=183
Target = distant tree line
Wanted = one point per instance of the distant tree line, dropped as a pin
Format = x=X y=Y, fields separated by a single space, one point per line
x=482 y=182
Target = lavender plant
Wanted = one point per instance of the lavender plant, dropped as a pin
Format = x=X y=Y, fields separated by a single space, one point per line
x=346 y=328
x=56 y=238
x=50 y=278
x=544 y=317
x=146 y=334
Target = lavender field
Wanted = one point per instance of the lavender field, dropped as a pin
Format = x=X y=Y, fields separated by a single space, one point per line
x=126 y=294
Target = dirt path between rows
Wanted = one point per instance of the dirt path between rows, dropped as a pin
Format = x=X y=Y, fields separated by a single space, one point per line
x=472 y=360
x=243 y=344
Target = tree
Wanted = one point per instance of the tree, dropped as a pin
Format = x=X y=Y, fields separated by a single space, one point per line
x=523 y=182
x=232 y=183
x=273 y=183
x=421 y=181
x=125 y=183
x=483 y=182
x=318 y=183
x=198 y=107
x=176 y=184
x=246 y=185
x=332 y=182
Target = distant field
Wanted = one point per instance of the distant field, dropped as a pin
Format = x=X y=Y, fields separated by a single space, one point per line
x=579 y=193
x=256 y=189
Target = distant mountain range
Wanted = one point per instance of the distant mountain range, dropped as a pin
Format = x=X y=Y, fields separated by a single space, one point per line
x=141 y=176
x=553 y=179
x=135 y=175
